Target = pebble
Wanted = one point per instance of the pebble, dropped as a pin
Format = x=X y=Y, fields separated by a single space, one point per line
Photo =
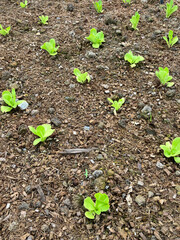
x=56 y=121
x=122 y=123
x=110 y=172
x=23 y=205
x=67 y=202
x=100 y=183
x=146 y=111
x=160 y=165
x=177 y=173
x=86 y=128
x=12 y=226
x=30 y=238
x=14 y=85
x=45 y=228
x=64 y=209
x=90 y=54
x=140 y=200
x=150 y=194
x=70 y=7
x=23 y=129
x=171 y=93
x=72 y=85
x=5 y=75
x=118 y=32
x=144 y=1
x=101 y=125
x=97 y=173
x=100 y=157
x=24 y=105
x=38 y=204
x=28 y=189
x=140 y=183
x=51 y=110
x=110 y=20
x=34 y=112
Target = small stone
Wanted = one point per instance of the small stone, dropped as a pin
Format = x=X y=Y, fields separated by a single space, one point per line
x=140 y=183
x=23 y=205
x=14 y=85
x=90 y=54
x=178 y=189
x=160 y=165
x=5 y=75
x=13 y=64
x=72 y=33
x=64 y=210
x=23 y=106
x=110 y=172
x=12 y=226
x=118 y=32
x=28 y=189
x=72 y=85
x=122 y=123
x=150 y=131
x=30 y=238
x=70 y=7
x=67 y=202
x=45 y=228
x=86 y=128
x=70 y=99
x=110 y=20
x=23 y=214
x=157 y=32
x=23 y=129
x=97 y=173
x=100 y=183
x=171 y=93
x=106 y=86
x=34 y=112
x=51 y=110
x=38 y=204
x=100 y=157
x=56 y=121
x=140 y=200
x=146 y=112
x=150 y=194
x=101 y=125
x=177 y=173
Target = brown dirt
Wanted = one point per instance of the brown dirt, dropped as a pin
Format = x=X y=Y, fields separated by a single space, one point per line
x=53 y=185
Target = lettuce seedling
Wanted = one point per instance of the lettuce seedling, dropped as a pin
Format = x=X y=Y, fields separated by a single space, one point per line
x=42 y=131
x=133 y=60
x=164 y=77
x=10 y=99
x=96 y=38
x=24 y=5
x=50 y=47
x=98 y=6
x=172 y=150
x=101 y=205
x=170 y=8
x=81 y=77
x=4 y=31
x=44 y=19
x=171 y=40
x=116 y=104
x=127 y=1
x=135 y=20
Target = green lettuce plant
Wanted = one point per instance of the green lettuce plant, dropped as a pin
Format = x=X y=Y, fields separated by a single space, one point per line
x=170 y=8
x=116 y=104
x=172 y=150
x=24 y=5
x=42 y=131
x=127 y=1
x=4 y=31
x=50 y=47
x=163 y=75
x=96 y=38
x=133 y=60
x=171 y=40
x=135 y=20
x=81 y=77
x=101 y=205
x=10 y=99
x=44 y=19
x=98 y=6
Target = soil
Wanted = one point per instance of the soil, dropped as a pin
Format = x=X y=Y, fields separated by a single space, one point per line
x=41 y=189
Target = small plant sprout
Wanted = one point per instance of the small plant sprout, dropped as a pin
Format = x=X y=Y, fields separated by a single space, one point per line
x=101 y=205
x=44 y=19
x=163 y=75
x=170 y=8
x=86 y=173
x=98 y=6
x=171 y=40
x=116 y=104
x=96 y=38
x=10 y=99
x=81 y=77
x=133 y=60
x=50 y=47
x=24 y=5
x=135 y=20
x=42 y=131
x=172 y=150
x=127 y=1
x=4 y=31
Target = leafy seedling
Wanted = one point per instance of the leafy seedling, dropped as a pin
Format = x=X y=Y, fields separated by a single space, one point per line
x=171 y=40
x=96 y=38
x=24 y=5
x=170 y=8
x=127 y=1
x=163 y=75
x=10 y=99
x=42 y=131
x=135 y=20
x=133 y=60
x=81 y=77
x=101 y=205
x=116 y=104
x=44 y=19
x=50 y=47
x=86 y=173
x=4 y=31
x=172 y=150
x=98 y=6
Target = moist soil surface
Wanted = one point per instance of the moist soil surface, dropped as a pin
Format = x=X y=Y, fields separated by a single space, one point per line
x=42 y=189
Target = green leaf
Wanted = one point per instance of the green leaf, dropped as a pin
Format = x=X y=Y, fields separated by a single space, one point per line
x=175 y=40
x=102 y=202
x=170 y=84
x=36 y=141
x=90 y=215
x=50 y=47
x=33 y=130
x=96 y=38
x=89 y=204
x=77 y=72
x=175 y=147
x=177 y=159
x=40 y=131
x=110 y=100
x=167 y=149
x=5 y=109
